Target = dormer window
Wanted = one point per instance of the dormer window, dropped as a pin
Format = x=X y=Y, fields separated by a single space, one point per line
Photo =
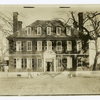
x=39 y=31
x=48 y=30
x=68 y=31
x=29 y=30
x=58 y=30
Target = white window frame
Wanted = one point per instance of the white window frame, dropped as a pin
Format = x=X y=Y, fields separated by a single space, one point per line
x=39 y=46
x=68 y=31
x=37 y=62
x=28 y=63
x=57 y=30
x=27 y=46
x=18 y=63
x=69 y=62
x=38 y=30
x=47 y=45
x=47 y=30
x=17 y=46
x=68 y=46
x=58 y=46
x=30 y=30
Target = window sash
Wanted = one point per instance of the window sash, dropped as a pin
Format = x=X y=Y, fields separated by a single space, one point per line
x=39 y=45
x=69 y=45
x=18 y=46
x=58 y=30
x=28 y=30
x=39 y=31
x=58 y=46
x=29 y=45
x=18 y=63
x=39 y=62
x=68 y=31
x=29 y=63
x=69 y=62
x=49 y=45
x=48 y=30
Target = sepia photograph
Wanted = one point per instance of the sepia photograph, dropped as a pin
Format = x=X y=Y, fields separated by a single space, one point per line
x=49 y=50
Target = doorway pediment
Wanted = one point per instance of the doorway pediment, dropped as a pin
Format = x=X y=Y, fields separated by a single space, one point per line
x=49 y=54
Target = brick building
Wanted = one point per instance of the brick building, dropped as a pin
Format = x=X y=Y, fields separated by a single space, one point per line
x=45 y=46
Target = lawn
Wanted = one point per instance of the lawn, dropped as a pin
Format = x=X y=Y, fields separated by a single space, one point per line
x=46 y=85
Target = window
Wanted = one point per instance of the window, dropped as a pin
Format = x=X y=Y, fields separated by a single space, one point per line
x=48 y=30
x=29 y=45
x=25 y=63
x=29 y=30
x=18 y=45
x=58 y=45
x=79 y=62
x=39 y=45
x=18 y=63
x=69 y=45
x=69 y=62
x=39 y=32
x=59 y=62
x=58 y=30
x=49 y=45
x=29 y=63
x=39 y=62
x=68 y=31
x=79 y=45
x=45 y=45
x=14 y=63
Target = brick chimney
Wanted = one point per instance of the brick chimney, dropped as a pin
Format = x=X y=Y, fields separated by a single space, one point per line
x=19 y=25
x=80 y=18
x=15 y=21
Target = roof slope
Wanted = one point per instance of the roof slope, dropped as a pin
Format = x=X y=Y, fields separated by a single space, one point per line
x=44 y=24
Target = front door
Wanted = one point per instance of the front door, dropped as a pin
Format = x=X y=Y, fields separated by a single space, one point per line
x=50 y=66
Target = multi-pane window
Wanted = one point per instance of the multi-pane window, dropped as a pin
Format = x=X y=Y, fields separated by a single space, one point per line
x=69 y=45
x=49 y=45
x=39 y=62
x=59 y=62
x=39 y=31
x=39 y=45
x=79 y=45
x=18 y=63
x=58 y=45
x=79 y=62
x=69 y=62
x=68 y=31
x=25 y=63
x=18 y=45
x=45 y=45
x=58 y=30
x=29 y=30
x=29 y=63
x=29 y=45
x=14 y=63
x=48 y=30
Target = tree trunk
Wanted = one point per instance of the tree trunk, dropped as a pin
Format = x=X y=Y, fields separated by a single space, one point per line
x=96 y=57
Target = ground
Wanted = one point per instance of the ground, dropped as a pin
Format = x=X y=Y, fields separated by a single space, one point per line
x=44 y=85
